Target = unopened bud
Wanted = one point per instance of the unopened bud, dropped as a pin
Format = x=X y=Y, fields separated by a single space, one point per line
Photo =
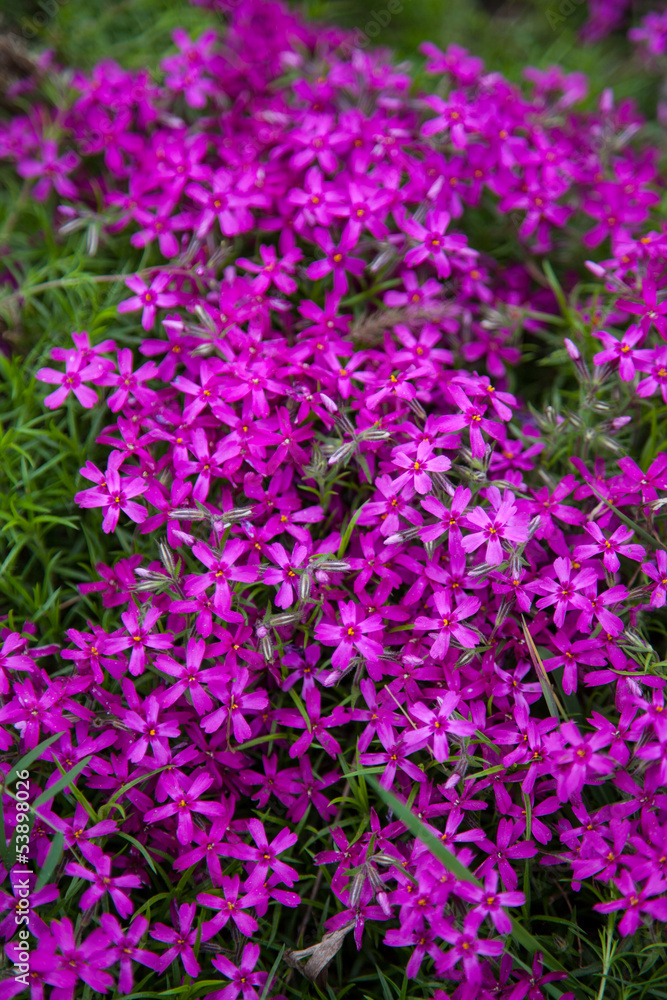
x=151 y=582
x=205 y=318
x=375 y=434
x=637 y=640
x=595 y=269
x=343 y=421
x=335 y=566
x=288 y=618
x=167 y=557
x=403 y=536
x=305 y=586
x=342 y=453
x=534 y=525
x=418 y=409
x=237 y=514
x=609 y=443
x=187 y=513
x=482 y=570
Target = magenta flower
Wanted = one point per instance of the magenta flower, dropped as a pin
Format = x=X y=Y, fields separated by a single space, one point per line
x=242 y=978
x=636 y=901
x=436 y=724
x=472 y=417
x=72 y=380
x=624 y=351
x=152 y=732
x=432 y=243
x=264 y=855
x=230 y=906
x=236 y=702
x=83 y=959
x=448 y=626
x=149 y=298
x=182 y=937
x=350 y=635
x=658 y=573
x=130 y=382
x=488 y=901
x=189 y=676
x=394 y=757
x=115 y=494
x=52 y=171
x=221 y=569
x=316 y=727
x=466 y=948
x=566 y=591
x=610 y=547
x=448 y=519
x=185 y=801
x=578 y=761
x=125 y=948
x=650 y=309
x=507 y=848
x=140 y=636
x=338 y=257
x=103 y=882
x=419 y=468
x=505 y=525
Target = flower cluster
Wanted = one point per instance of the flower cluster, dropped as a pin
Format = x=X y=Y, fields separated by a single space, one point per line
x=351 y=555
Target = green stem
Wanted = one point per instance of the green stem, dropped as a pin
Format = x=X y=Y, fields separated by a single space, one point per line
x=609 y=947
x=24 y=293
x=13 y=216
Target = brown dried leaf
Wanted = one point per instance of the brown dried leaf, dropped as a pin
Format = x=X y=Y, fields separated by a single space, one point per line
x=319 y=955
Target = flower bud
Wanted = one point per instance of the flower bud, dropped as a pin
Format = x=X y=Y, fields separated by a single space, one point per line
x=418 y=409
x=187 y=513
x=167 y=557
x=288 y=618
x=335 y=565
x=375 y=434
x=344 y=452
x=595 y=269
x=305 y=586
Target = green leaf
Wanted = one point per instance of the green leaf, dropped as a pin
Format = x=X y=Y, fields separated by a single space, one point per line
x=274 y=969
x=30 y=758
x=63 y=782
x=51 y=860
x=456 y=867
x=345 y=540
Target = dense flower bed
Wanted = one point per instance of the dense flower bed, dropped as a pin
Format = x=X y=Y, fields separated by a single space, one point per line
x=361 y=555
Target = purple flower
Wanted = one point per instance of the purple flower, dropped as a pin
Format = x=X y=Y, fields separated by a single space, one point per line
x=242 y=978
x=149 y=298
x=104 y=882
x=350 y=634
x=636 y=901
x=184 y=802
x=264 y=855
x=448 y=626
x=115 y=494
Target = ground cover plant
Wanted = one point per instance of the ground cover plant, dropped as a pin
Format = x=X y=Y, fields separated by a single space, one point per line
x=354 y=395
